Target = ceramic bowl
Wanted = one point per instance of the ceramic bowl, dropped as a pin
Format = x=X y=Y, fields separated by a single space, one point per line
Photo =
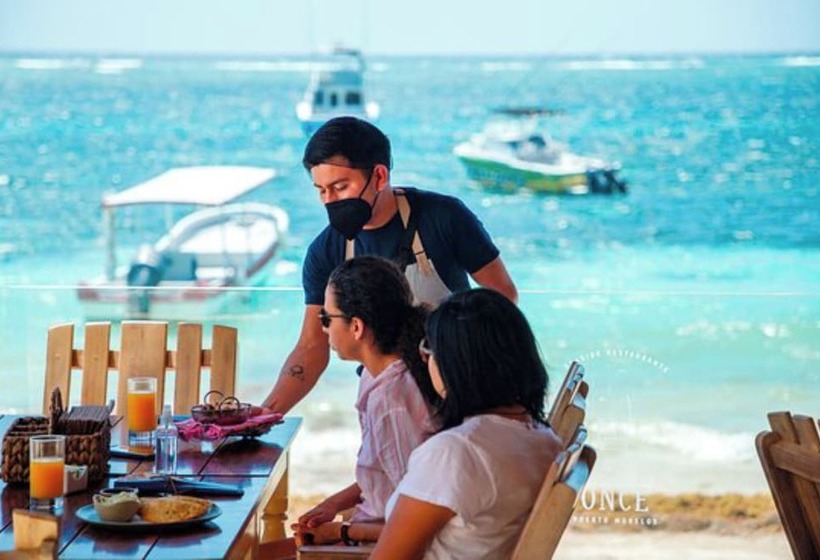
x=116 y=505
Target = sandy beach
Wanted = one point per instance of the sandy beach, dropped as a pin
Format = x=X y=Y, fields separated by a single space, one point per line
x=683 y=526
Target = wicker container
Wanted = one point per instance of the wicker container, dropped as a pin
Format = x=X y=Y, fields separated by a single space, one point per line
x=92 y=450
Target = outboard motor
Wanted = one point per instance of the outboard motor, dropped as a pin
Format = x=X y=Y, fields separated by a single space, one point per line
x=146 y=271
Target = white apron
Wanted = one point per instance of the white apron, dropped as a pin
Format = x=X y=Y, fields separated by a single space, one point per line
x=425 y=283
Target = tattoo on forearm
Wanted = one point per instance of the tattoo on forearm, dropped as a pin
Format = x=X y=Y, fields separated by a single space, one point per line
x=298 y=372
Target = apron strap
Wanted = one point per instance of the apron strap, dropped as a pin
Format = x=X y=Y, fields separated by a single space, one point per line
x=416 y=246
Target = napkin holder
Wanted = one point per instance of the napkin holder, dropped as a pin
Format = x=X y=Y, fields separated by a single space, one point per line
x=90 y=448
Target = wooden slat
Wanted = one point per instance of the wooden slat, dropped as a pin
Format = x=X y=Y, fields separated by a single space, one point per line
x=223 y=360
x=188 y=365
x=569 y=387
x=95 y=363
x=143 y=353
x=58 y=362
x=555 y=502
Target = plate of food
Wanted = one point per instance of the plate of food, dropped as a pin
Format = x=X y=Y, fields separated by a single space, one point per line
x=162 y=512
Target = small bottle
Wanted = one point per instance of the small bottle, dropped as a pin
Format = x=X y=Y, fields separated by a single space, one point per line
x=165 y=456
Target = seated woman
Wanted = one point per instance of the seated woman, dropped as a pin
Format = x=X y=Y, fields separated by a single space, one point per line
x=469 y=488
x=370 y=318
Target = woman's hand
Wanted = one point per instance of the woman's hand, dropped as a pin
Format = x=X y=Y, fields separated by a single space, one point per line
x=326 y=533
x=323 y=513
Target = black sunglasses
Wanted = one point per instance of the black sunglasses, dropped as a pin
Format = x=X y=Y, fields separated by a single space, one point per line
x=325 y=317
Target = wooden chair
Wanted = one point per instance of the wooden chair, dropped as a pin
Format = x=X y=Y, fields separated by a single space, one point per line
x=555 y=503
x=143 y=352
x=35 y=536
x=568 y=409
x=790 y=455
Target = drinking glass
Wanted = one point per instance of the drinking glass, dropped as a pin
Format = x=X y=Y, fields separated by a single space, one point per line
x=142 y=410
x=46 y=472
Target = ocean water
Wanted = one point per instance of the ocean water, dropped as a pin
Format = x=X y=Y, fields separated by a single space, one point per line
x=694 y=300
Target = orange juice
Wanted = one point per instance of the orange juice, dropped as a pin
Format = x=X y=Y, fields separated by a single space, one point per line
x=142 y=411
x=46 y=477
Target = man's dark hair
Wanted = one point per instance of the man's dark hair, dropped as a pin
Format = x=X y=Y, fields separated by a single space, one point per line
x=361 y=143
x=487 y=356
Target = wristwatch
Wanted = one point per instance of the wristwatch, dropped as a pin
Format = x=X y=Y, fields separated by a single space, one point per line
x=346 y=536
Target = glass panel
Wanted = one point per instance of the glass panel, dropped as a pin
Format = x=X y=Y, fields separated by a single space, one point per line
x=679 y=384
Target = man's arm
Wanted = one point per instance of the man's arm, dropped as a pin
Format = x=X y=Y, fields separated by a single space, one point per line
x=494 y=275
x=304 y=365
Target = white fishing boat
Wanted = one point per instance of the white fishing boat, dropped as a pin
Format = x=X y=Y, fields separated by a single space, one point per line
x=511 y=154
x=336 y=88
x=196 y=267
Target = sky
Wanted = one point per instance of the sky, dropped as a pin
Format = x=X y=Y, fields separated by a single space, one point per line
x=410 y=27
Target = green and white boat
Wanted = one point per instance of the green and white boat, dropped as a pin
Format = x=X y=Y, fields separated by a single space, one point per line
x=511 y=154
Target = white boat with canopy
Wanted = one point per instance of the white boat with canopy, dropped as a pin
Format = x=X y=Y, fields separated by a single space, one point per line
x=191 y=269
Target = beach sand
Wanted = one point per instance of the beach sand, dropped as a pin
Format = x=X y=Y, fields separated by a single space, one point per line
x=695 y=526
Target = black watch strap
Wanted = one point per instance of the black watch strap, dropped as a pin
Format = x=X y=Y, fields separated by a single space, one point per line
x=346 y=535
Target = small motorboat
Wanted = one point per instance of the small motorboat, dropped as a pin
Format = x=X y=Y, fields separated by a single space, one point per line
x=511 y=154
x=336 y=88
x=193 y=269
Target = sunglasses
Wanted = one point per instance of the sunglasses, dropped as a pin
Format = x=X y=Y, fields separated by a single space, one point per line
x=326 y=317
x=424 y=350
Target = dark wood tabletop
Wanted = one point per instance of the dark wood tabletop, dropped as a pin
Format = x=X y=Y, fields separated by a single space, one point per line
x=258 y=466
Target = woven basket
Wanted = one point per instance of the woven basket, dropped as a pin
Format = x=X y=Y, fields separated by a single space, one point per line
x=92 y=450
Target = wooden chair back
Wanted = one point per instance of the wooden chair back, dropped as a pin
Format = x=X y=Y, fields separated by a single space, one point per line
x=568 y=409
x=553 y=507
x=143 y=352
x=35 y=536
x=790 y=455
x=569 y=388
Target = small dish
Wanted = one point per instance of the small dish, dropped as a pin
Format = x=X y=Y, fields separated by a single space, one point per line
x=228 y=412
x=116 y=505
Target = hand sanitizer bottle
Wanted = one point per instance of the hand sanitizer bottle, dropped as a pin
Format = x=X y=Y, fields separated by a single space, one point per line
x=165 y=457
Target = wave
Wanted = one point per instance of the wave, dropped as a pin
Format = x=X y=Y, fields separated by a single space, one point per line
x=632 y=64
x=505 y=66
x=695 y=442
x=263 y=66
x=117 y=65
x=51 y=63
x=801 y=61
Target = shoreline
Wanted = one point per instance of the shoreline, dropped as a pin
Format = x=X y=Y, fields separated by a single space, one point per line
x=689 y=525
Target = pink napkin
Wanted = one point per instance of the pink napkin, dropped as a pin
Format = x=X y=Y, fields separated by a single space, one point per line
x=191 y=429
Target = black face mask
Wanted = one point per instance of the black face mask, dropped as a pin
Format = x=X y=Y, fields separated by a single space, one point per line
x=349 y=216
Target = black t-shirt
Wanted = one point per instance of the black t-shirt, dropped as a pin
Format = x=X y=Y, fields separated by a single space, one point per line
x=452 y=236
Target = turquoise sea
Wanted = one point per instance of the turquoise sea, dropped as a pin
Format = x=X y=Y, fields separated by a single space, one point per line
x=694 y=300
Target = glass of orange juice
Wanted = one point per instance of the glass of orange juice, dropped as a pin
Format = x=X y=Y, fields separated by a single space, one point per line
x=46 y=472
x=141 y=410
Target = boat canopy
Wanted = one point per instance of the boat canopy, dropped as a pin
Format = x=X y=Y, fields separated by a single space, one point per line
x=204 y=185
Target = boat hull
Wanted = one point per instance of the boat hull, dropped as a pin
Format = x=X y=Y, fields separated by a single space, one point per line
x=495 y=175
x=205 y=263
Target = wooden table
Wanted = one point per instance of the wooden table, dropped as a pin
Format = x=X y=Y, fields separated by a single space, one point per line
x=259 y=466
